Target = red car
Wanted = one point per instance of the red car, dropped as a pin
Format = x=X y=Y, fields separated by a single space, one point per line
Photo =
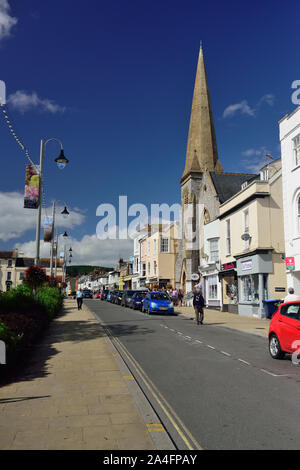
x=284 y=331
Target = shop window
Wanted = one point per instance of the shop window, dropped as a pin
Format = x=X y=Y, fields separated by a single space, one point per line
x=249 y=289
x=212 y=287
x=231 y=290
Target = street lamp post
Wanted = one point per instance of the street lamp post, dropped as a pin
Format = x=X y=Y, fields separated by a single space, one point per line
x=65 y=212
x=61 y=161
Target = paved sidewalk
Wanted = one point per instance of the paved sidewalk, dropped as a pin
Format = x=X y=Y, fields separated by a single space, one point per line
x=72 y=395
x=229 y=320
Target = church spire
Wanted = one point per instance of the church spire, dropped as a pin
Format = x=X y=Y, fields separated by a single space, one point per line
x=201 y=138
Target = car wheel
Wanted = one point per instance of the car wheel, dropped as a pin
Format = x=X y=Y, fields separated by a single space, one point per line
x=275 y=348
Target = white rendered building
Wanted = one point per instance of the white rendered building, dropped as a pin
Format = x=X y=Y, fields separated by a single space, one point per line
x=289 y=130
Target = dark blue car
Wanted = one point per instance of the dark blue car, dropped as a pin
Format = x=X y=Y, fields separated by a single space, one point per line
x=136 y=301
x=157 y=302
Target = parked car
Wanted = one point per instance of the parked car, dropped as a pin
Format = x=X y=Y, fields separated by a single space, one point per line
x=118 y=297
x=87 y=294
x=108 y=296
x=127 y=295
x=157 y=302
x=104 y=294
x=136 y=301
x=284 y=330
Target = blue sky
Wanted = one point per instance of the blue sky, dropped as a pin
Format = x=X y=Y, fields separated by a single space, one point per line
x=114 y=82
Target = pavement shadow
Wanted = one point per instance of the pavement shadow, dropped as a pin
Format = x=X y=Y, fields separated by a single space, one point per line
x=32 y=364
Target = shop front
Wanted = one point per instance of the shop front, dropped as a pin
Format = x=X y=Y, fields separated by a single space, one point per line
x=212 y=287
x=253 y=272
x=229 y=283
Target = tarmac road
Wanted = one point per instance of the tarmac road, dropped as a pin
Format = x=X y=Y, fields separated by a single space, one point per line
x=212 y=387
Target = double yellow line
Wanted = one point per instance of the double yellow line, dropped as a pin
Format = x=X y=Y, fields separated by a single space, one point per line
x=174 y=419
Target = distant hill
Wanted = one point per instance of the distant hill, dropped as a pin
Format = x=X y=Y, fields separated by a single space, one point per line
x=75 y=271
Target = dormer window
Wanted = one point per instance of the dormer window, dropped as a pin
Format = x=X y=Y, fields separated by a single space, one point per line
x=244 y=185
x=9 y=264
x=264 y=174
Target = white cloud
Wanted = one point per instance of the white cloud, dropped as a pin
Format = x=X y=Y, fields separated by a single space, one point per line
x=251 y=152
x=244 y=108
x=6 y=20
x=15 y=220
x=88 y=251
x=241 y=107
x=254 y=159
x=23 y=102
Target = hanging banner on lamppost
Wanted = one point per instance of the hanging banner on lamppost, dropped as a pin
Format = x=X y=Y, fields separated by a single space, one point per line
x=48 y=229
x=32 y=188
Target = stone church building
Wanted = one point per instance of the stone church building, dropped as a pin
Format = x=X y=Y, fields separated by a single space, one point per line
x=204 y=183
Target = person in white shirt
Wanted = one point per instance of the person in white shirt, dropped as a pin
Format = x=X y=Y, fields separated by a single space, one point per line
x=291 y=297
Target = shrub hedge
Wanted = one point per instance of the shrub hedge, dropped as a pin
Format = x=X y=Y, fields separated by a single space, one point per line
x=23 y=317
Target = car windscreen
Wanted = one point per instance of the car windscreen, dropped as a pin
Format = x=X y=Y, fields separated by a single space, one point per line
x=140 y=295
x=160 y=296
x=130 y=293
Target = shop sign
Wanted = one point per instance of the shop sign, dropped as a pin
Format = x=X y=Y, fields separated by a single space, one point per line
x=290 y=263
x=246 y=265
x=228 y=266
x=194 y=277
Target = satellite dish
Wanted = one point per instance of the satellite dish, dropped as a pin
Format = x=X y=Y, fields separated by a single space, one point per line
x=245 y=236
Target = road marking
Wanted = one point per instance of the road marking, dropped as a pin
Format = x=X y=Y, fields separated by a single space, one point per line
x=184 y=433
x=178 y=332
x=273 y=375
x=209 y=346
x=198 y=341
x=128 y=377
x=188 y=337
x=245 y=362
x=171 y=329
x=226 y=353
x=155 y=428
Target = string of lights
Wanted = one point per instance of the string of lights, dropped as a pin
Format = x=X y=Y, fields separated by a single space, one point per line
x=15 y=136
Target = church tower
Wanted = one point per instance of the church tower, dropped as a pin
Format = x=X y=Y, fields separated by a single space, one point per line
x=201 y=158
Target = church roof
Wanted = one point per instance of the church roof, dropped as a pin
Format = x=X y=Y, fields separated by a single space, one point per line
x=228 y=184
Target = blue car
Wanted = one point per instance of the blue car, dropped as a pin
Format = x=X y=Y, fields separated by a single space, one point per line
x=157 y=302
x=136 y=301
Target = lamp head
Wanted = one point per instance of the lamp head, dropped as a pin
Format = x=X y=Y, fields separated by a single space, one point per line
x=65 y=212
x=61 y=160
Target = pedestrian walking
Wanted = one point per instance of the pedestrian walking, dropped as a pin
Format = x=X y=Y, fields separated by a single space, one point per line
x=180 y=297
x=79 y=297
x=198 y=303
x=291 y=297
x=175 y=296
